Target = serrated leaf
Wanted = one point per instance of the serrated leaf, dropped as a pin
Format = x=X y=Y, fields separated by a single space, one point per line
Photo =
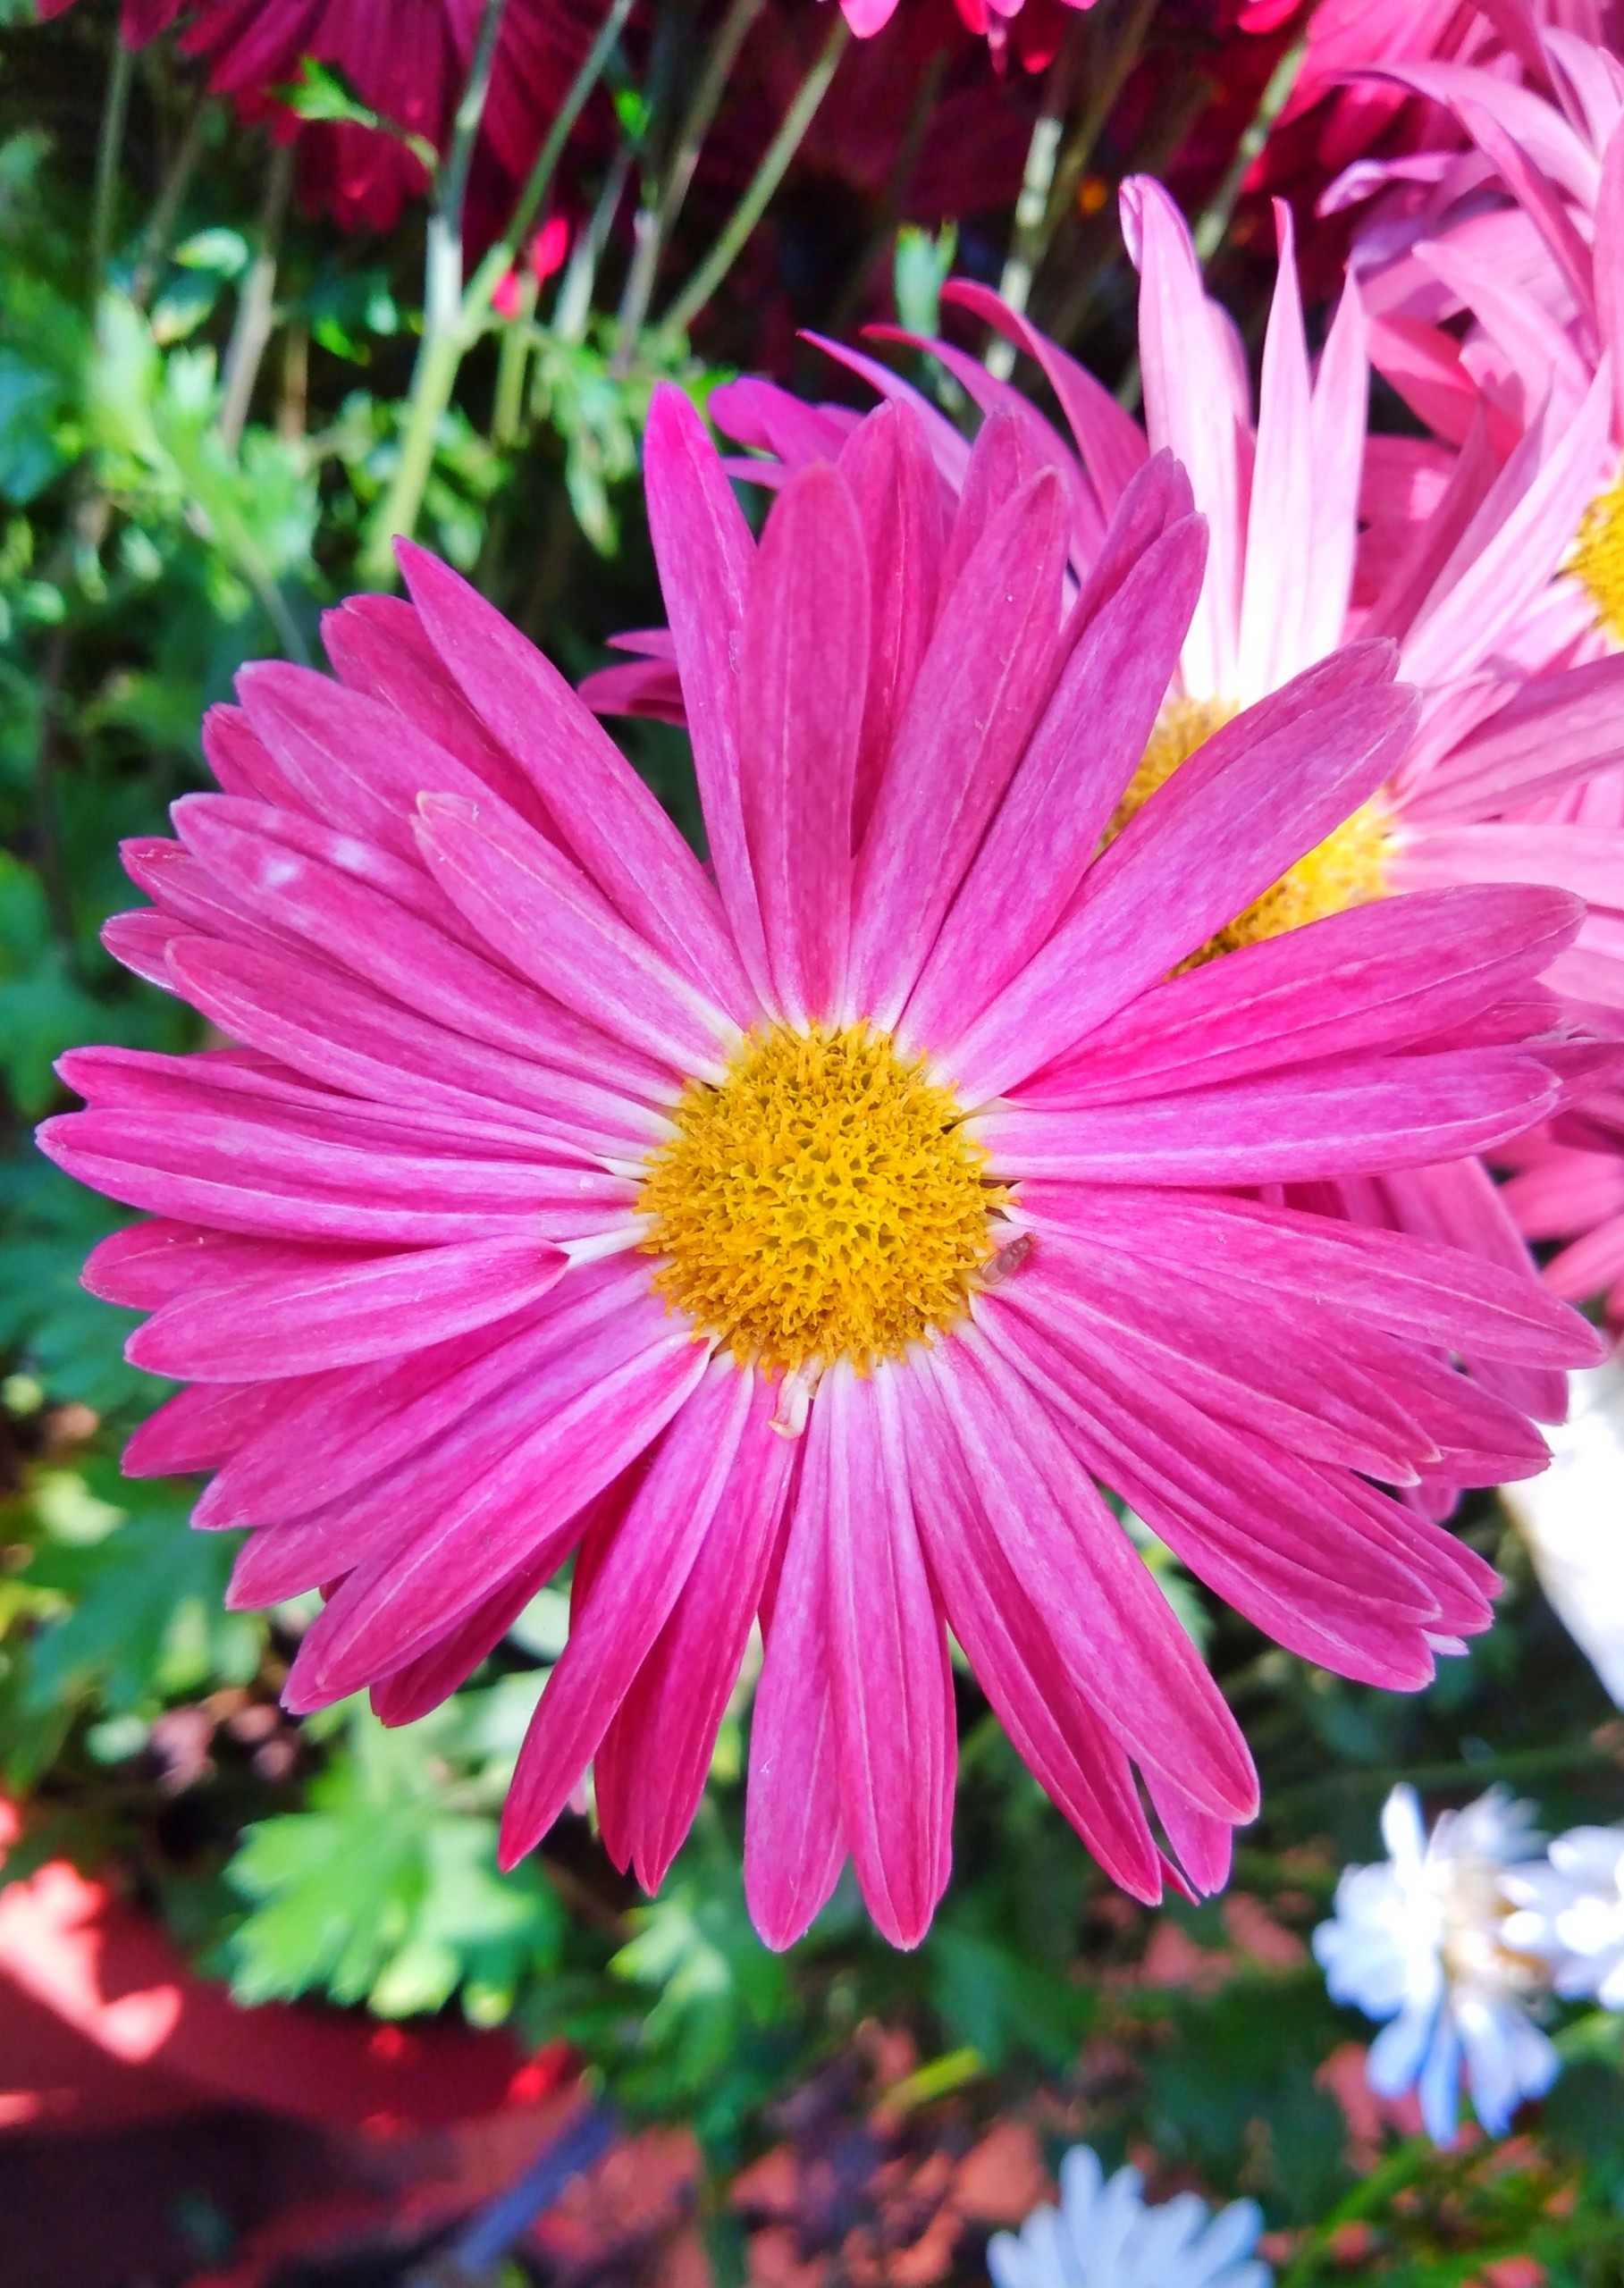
x=384 y=1891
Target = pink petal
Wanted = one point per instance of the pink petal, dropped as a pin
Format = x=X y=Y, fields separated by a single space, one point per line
x=705 y=555
x=140 y=942
x=1383 y=1279
x=794 y=1843
x=1073 y=1755
x=1084 y=751
x=1111 y=1624
x=1555 y=730
x=1202 y=1845
x=406 y=959
x=1111 y=443
x=298 y=1180
x=344 y=1430
x=432 y=1676
x=350 y=760
x=1187 y=410
x=654 y=1761
x=1267 y=787
x=1390 y=975
x=803 y=674
x=606 y=816
x=1586 y=860
x=542 y=913
x=151 y=1263
x=1190 y=1484
x=1352 y=1117
x=304 y=1321
x=1608 y=265
x=199 y=1429
x=1337 y=420
x=1515 y=544
x=633 y=1591
x=347 y=1037
x=523 y=1507
x=372 y=1521
x=894 y=1726
x=1280 y=514
x=899 y=494
x=972 y=712
x=379 y=646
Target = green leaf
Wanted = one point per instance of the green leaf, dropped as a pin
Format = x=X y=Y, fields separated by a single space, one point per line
x=146 y=1621
x=72 y=1342
x=43 y=1011
x=385 y=1891
x=998 y=1999
x=319 y=92
x=922 y=268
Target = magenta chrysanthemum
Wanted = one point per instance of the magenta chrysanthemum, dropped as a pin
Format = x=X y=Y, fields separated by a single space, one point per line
x=814 y=1237
x=407 y=60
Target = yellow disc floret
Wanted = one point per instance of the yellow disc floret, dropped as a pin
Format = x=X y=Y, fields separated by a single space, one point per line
x=822 y=1202
x=1348 y=868
x=1598 y=558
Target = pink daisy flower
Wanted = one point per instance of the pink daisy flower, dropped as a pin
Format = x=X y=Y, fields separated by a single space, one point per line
x=814 y=1239
x=1465 y=589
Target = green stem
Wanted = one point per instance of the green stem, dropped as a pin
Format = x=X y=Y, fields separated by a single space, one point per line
x=1105 y=88
x=1400 y=2169
x=505 y=253
x=53 y=872
x=512 y=363
x=575 y=292
x=166 y=207
x=444 y=337
x=882 y=238
x=452 y=187
x=768 y=176
x=654 y=227
x=109 y=150
x=256 y=306
x=1029 y=236
x=1213 y=223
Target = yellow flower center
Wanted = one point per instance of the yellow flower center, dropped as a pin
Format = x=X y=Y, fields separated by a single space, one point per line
x=823 y=1202
x=1598 y=557
x=1348 y=868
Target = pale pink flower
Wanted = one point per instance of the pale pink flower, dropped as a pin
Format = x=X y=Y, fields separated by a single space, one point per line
x=1520 y=235
x=813 y=1239
x=1347 y=39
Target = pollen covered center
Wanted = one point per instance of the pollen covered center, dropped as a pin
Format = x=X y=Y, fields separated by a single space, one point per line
x=1598 y=558
x=822 y=1202
x=1348 y=868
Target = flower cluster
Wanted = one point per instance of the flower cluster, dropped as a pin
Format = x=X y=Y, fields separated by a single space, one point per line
x=1455 y=1940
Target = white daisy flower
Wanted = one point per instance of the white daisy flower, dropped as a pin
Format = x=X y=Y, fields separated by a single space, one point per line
x=1421 y=1941
x=1103 y=2235
x=1570 y=1914
x=1572 y=1519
